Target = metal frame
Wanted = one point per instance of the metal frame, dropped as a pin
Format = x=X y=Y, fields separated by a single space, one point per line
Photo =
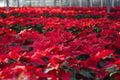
x=7 y=5
x=18 y=3
x=101 y=3
x=90 y=2
x=110 y=3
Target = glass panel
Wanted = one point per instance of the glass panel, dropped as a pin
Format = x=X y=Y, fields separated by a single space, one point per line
x=69 y=3
x=96 y=2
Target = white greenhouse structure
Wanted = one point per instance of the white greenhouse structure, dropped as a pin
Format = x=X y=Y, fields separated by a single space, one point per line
x=59 y=3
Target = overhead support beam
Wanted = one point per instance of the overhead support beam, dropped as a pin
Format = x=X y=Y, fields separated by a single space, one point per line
x=91 y=3
x=101 y=3
x=70 y=3
x=108 y=5
x=80 y=1
x=7 y=5
x=61 y=3
x=30 y=3
x=44 y=3
x=18 y=3
x=112 y=2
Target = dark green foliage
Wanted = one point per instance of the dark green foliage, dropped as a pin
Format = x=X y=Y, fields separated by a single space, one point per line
x=46 y=14
x=13 y=44
x=39 y=28
x=112 y=69
x=109 y=78
x=60 y=16
x=3 y=15
x=10 y=61
x=30 y=49
x=28 y=26
x=102 y=63
x=89 y=74
x=28 y=42
x=117 y=51
x=97 y=29
x=74 y=30
x=98 y=35
x=79 y=16
x=17 y=28
x=113 y=10
x=82 y=57
x=27 y=48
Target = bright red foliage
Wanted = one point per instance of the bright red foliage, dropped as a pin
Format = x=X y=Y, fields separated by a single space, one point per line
x=59 y=44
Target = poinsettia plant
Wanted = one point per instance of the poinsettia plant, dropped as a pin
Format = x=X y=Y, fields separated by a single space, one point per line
x=59 y=44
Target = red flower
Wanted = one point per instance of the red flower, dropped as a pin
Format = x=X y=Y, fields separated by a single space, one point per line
x=104 y=54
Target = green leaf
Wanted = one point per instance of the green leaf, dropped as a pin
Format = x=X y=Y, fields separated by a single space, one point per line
x=79 y=16
x=10 y=61
x=0 y=37
x=3 y=15
x=28 y=26
x=30 y=49
x=97 y=35
x=39 y=27
x=28 y=42
x=97 y=29
x=102 y=63
x=73 y=78
x=60 y=16
x=112 y=69
x=44 y=31
x=13 y=44
x=17 y=28
x=74 y=30
x=87 y=73
x=108 y=78
x=27 y=48
x=97 y=79
x=46 y=14
x=82 y=57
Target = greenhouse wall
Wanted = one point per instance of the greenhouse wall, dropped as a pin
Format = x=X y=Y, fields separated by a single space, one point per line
x=60 y=3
